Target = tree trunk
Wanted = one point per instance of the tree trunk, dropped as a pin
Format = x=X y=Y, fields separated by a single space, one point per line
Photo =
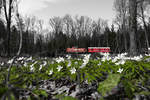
x=145 y=26
x=8 y=16
x=133 y=26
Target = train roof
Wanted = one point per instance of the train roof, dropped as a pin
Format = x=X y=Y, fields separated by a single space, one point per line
x=99 y=47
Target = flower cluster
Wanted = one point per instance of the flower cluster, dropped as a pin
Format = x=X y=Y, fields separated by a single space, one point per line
x=32 y=66
x=120 y=70
x=50 y=72
x=73 y=71
x=106 y=57
x=60 y=59
x=59 y=68
x=10 y=61
x=85 y=60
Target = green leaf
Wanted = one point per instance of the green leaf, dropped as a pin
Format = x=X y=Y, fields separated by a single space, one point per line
x=68 y=98
x=108 y=84
x=40 y=92
x=3 y=90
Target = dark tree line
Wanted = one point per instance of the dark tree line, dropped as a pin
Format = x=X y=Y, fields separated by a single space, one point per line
x=131 y=35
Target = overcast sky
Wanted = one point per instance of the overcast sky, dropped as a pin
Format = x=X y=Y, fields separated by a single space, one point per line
x=45 y=9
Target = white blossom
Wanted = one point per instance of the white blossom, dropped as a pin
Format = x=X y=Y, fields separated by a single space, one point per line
x=137 y=58
x=25 y=64
x=45 y=63
x=41 y=66
x=59 y=68
x=99 y=64
x=85 y=61
x=10 y=61
x=117 y=63
x=52 y=62
x=2 y=63
x=76 y=62
x=32 y=68
x=121 y=62
x=73 y=71
x=60 y=59
x=69 y=64
x=114 y=59
x=22 y=62
x=120 y=70
x=29 y=59
x=106 y=58
x=20 y=58
x=50 y=72
x=68 y=56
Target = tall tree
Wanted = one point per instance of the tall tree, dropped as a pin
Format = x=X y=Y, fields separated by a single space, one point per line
x=121 y=8
x=133 y=26
x=142 y=5
x=8 y=8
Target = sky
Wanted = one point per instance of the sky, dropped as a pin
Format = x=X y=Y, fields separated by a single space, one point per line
x=46 y=9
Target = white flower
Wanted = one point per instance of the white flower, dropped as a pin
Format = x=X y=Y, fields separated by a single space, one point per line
x=25 y=64
x=45 y=63
x=59 y=68
x=2 y=63
x=122 y=62
x=99 y=64
x=76 y=62
x=32 y=68
x=115 y=59
x=40 y=67
x=120 y=70
x=50 y=72
x=138 y=58
x=117 y=63
x=69 y=64
x=30 y=58
x=106 y=58
x=20 y=58
x=68 y=56
x=85 y=60
x=60 y=59
x=10 y=61
x=73 y=71
x=52 y=62
x=22 y=62
x=82 y=65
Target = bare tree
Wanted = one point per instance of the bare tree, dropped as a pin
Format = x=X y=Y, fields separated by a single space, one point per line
x=1 y=5
x=121 y=8
x=20 y=45
x=133 y=26
x=56 y=24
x=8 y=9
x=142 y=5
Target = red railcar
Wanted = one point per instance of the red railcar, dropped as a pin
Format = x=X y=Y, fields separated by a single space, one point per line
x=74 y=49
x=99 y=49
x=89 y=50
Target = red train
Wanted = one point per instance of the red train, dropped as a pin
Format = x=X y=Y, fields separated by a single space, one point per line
x=89 y=50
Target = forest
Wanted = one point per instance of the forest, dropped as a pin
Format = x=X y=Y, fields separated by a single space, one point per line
x=34 y=64
x=80 y=31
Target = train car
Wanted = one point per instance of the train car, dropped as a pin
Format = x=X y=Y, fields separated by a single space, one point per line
x=89 y=50
x=76 y=50
x=99 y=49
